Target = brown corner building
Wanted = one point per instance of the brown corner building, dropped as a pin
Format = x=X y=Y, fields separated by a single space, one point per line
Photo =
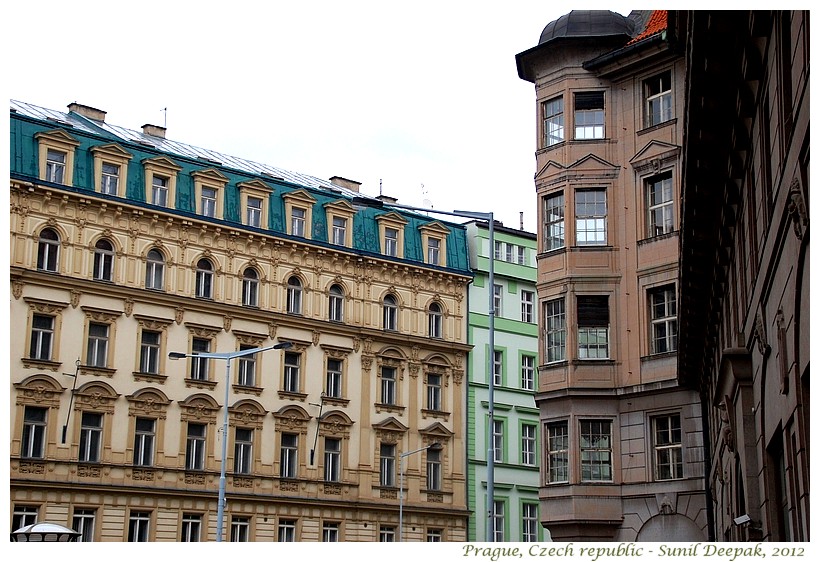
x=672 y=179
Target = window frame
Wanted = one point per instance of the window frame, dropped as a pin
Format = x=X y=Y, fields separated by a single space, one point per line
x=48 y=250
x=289 y=455
x=139 y=526
x=529 y=444
x=528 y=372
x=292 y=372
x=558 y=445
x=390 y=313
x=527 y=306
x=336 y=303
x=433 y=475
x=34 y=436
x=667 y=319
x=666 y=205
x=554 y=221
x=243 y=462
x=91 y=437
x=204 y=279
x=589 y=115
x=553 y=121
x=434 y=383
x=596 y=460
x=653 y=91
x=144 y=442
x=434 y=321
x=387 y=465
x=588 y=212
x=250 y=287
x=593 y=330
x=672 y=446
x=332 y=466
x=103 y=260
x=155 y=270
x=294 y=290
x=196 y=446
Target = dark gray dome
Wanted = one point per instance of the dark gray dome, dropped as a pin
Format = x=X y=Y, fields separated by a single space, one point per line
x=588 y=23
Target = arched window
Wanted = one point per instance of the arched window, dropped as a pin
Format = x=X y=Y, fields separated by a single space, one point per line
x=154 y=270
x=390 y=321
x=250 y=288
x=336 y=304
x=434 y=321
x=103 y=260
x=294 y=295
x=204 y=279
x=48 y=250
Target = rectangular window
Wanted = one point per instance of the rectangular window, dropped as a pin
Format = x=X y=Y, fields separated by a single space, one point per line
x=391 y=242
x=433 y=469
x=558 y=453
x=498 y=368
x=287 y=530
x=658 y=95
x=90 y=437
x=663 y=319
x=333 y=459
x=529 y=522
x=208 y=202
x=110 y=179
x=55 y=166
x=243 y=451
x=433 y=250
x=435 y=535
x=589 y=115
x=254 y=212
x=387 y=534
x=199 y=365
x=83 y=522
x=498 y=250
x=297 y=221
x=33 y=444
x=97 y=353
x=292 y=367
x=498 y=440
x=668 y=447
x=433 y=392
x=240 y=529
x=498 y=521
x=590 y=217
x=23 y=515
x=387 y=465
x=527 y=372
x=508 y=254
x=593 y=326
x=247 y=368
x=339 y=231
x=288 y=459
x=596 y=451
x=528 y=444
x=660 y=205
x=42 y=337
x=553 y=121
x=191 y=527
x=333 y=384
x=555 y=327
x=388 y=390
x=144 y=437
x=159 y=191
x=520 y=252
x=330 y=532
x=195 y=446
x=149 y=352
x=139 y=523
x=498 y=292
x=554 y=222
x=527 y=306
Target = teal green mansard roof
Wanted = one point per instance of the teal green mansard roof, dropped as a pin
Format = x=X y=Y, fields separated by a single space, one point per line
x=26 y=120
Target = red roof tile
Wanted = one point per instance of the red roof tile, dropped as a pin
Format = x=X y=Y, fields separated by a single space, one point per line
x=657 y=23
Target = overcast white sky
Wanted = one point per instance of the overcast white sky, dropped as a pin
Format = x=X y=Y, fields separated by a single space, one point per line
x=421 y=96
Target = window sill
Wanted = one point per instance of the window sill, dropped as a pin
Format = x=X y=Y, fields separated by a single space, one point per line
x=655 y=356
x=659 y=237
x=661 y=125
x=198 y=383
x=245 y=389
x=97 y=371
x=41 y=363
x=288 y=395
x=389 y=408
x=440 y=414
x=149 y=377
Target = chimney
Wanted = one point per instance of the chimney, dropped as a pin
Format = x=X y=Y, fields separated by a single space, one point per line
x=521 y=220
x=87 y=111
x=154 y=131
x=348 y=184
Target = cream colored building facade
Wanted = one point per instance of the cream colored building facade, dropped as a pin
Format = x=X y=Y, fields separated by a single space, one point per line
x=108 y=277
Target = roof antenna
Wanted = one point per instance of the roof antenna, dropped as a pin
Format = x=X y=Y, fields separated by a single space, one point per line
x=165 y=119
x=380 y=187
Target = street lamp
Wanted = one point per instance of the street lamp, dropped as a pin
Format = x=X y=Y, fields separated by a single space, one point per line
x=220 y=508
x=433 y=446
x=378 y=203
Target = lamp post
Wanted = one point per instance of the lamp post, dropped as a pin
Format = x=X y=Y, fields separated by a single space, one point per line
x=434 y=446
x=227 y=357
x=378 y=203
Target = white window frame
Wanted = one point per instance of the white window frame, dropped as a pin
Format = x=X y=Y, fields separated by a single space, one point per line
x=434 y=391
x=658 y=99
x=243 y=450
x=553 y=121
x=250 y=287
x=91 y=437
x=35 y=424
x=204 y=279
x=558 y=452
x=289 y=455
x=388 y=385
x=528 y=372
x=144 y=441
x=333 y=378
x=667 y=444
x=663 y=319
x=333 y=459
x=591 y=217
x=589 y=121
x=596 y=453
x=150 y=351
x=196 y=442
x=291 y=379
x=387 y=465
x=294 y=295
x=527 y=306
x=660 y=205
x=48 y=250
x=97 y=346
x=154 y=270
x=528 y=444
x=103 y=260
